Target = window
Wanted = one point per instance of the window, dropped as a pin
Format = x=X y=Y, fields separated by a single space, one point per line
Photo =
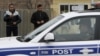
x=72 y=7
x=63 y=8
x=82 y=29
x=34 y=33
x=78 y=7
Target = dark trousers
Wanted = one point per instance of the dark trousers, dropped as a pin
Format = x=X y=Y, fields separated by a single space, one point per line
x=10 y=30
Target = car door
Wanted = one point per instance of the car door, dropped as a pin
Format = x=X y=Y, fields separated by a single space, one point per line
x=97 y=33
x=99 y=48
x=73 y=37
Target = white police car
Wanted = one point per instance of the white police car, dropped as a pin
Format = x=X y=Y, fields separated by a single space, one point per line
x=69 y=34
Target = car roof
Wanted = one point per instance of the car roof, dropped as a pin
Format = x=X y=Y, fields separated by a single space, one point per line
x=91 y=10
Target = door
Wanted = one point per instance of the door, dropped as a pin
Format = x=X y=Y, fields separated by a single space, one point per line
x=97 y=33
x=74 y=37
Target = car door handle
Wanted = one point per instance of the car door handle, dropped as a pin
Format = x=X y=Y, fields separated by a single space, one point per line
x=33 y=53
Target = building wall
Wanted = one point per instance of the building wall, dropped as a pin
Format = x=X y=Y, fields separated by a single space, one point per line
x=96 y=0
x=56 y=5
x=25 y=4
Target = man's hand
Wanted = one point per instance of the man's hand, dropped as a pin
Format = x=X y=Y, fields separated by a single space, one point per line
x=14 y=23
x=42 y=21
x=38 y=22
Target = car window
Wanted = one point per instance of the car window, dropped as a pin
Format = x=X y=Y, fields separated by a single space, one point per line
x=76 y=29
x=34 y=33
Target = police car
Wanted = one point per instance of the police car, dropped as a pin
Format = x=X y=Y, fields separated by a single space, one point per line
x=69 y=34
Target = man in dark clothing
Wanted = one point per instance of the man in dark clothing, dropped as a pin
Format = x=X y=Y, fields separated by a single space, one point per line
x=39 y=17
x=12 y=19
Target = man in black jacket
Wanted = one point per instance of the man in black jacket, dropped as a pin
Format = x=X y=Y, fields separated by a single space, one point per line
x=12 y=19
x=39 y=17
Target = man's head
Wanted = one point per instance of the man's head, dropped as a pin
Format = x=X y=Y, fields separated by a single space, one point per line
x=11 y=7
x=39 y=7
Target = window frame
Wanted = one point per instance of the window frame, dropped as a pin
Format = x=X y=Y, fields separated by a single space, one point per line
x=42 y=40
x=69 y=6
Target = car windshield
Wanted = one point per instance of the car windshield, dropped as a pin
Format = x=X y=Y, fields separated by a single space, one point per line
x=42 y=28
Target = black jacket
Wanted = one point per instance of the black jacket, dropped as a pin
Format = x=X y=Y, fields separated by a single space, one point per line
x=9 y=20
x=38 y=16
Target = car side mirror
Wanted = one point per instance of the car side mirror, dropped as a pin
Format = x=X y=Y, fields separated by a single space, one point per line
x=49 y=37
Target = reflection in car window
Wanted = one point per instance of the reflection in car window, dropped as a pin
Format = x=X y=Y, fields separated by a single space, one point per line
x=77 y=29
x=43 y=27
